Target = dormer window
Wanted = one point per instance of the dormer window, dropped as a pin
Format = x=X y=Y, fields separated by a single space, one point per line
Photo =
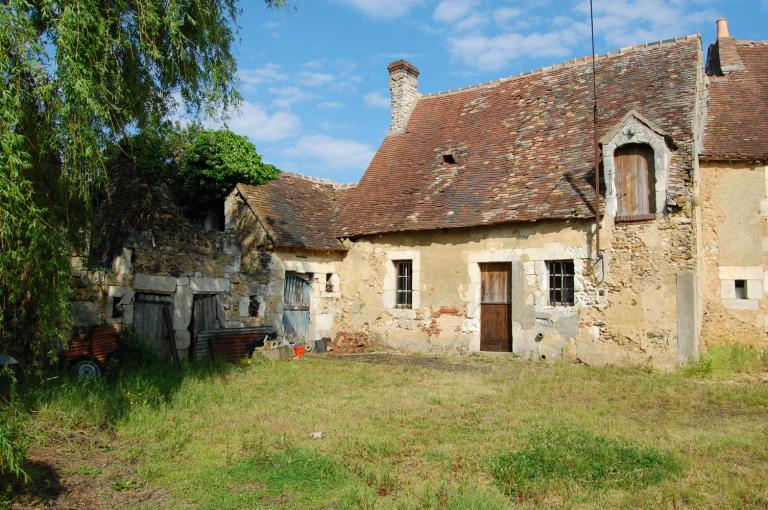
x=635 y=182
x=449 y=159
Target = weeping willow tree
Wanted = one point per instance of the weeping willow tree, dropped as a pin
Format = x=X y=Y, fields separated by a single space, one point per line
x=76 y=75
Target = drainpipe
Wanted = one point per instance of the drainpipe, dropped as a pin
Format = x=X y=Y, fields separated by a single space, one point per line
x=596 y=157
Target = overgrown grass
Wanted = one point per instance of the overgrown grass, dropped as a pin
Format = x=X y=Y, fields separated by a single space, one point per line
x=724 y=361
x=561 y=456
x=455 y=433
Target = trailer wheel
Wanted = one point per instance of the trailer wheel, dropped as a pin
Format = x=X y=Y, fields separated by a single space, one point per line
x=87 y=369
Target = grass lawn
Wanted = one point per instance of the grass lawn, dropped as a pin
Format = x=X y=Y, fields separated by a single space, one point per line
x=469 y=432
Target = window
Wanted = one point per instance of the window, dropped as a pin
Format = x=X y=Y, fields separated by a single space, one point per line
x=560 y=282
x=404 y=294
x=635 y=182
x=328 y=282
x=741 y=289
x=253 y=306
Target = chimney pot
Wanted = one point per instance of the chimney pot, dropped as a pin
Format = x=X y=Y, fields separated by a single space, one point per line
x=722 y=29
x=404 y=90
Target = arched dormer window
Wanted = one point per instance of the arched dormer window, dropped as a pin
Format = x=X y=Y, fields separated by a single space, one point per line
x=635 y=181
x=636 y=163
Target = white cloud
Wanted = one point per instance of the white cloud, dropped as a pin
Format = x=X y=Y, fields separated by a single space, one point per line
x=377 y=99
x=257 y=124
x=382 y=9
x=504 y=15
x=449 y=11
x=251 y=78
x=331 y=153
x=627 y=22
x=289 y=95
x=494 y=52
x=461 y=14
x=311 y=79
x=331 y=105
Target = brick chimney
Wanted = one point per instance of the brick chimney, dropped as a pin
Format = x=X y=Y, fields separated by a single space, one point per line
x=404 y=88
x=722 y=56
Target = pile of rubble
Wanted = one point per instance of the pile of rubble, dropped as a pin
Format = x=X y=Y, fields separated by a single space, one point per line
x=350 y=343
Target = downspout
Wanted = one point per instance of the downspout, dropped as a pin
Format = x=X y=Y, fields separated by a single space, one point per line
x=596 y=156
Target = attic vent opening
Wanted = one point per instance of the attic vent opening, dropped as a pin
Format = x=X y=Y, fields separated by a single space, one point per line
x=449 y=159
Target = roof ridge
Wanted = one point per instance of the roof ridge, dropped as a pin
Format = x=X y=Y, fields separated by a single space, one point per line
x=749 y=42
x=566 y=64
x=318 y=180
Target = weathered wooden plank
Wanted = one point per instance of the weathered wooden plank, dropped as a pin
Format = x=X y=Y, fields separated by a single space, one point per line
x=635 y=180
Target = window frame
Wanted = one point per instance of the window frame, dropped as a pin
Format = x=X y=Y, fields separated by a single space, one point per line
x=403 y=284
x=562 y=293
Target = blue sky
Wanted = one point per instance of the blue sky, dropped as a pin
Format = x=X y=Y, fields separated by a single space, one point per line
x=314 y=75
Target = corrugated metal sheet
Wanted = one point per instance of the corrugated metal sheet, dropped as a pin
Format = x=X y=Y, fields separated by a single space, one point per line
x=231 y=344
x=98 y=344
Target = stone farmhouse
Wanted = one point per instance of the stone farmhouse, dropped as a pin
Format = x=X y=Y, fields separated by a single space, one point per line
x=475 y=229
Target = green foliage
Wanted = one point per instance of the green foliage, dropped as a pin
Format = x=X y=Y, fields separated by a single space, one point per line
x=215 y=161
x=75 y=76
x=559 y=455
x=726 y=360
x=154 y=153
x=13 y=442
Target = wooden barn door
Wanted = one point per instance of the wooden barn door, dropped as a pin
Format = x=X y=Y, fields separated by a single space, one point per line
x=149 y=323
x=496 y=307
x=207 y=313
x=296 y=306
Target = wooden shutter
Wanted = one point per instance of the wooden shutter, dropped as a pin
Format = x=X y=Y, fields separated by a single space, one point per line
x=635 y=181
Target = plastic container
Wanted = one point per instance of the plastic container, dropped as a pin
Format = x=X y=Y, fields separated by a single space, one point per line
x=299 y=351
x=322 y=345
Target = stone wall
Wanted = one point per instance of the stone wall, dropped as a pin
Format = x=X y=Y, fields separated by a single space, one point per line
x=624 y=312
x=180 y=261
x=734 y=197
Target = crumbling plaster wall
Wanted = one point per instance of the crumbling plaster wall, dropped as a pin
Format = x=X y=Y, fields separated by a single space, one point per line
x=627 y=315
x=324 y=304
x=734 y=197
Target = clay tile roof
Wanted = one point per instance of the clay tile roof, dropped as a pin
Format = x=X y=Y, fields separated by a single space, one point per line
x=737 y=110
x=522 y=146
x=297 y=211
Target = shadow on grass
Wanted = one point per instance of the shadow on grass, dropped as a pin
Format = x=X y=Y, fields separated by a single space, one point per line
x=44 y=484
x=101 y=402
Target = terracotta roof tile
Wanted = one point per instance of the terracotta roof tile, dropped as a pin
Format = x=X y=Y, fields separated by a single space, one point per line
x=297 y=211
x=522 y=145
x=737 y=110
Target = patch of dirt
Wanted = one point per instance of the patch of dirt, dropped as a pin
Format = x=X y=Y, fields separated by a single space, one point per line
x=82 y=473
x=421 y=360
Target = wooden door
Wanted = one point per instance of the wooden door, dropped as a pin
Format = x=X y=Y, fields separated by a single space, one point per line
x=496 y=307
x=207 y=314
x=149 y=323
x=635 y=183
x=296 y=307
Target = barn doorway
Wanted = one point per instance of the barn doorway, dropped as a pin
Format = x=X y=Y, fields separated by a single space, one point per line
x=149 y=322
x=496 y=307
x=207 y=314
x=296 y=306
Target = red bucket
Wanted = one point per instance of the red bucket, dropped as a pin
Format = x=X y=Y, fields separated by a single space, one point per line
x=298 y=351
